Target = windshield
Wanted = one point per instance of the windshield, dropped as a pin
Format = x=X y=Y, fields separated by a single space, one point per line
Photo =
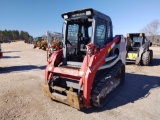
x=72 y=33
x=137 y=39
x=78 y=35
x=72 y=38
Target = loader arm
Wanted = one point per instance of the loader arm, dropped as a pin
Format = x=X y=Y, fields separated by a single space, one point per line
x=95 y=61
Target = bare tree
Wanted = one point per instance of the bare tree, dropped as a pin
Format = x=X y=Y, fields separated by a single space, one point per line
x=152 y=29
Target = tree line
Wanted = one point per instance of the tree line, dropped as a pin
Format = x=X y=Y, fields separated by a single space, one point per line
x=152 y=31
x=14 y=35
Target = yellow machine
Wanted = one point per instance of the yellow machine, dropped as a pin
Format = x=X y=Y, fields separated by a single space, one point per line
x=37 y=44
x=132 y=55
x=138 y=49
x=44 y=45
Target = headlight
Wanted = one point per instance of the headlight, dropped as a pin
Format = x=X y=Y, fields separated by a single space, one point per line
x=81 y=73
x=65 y=16
x=50 y=68
x=91 y=49
x=88 y=12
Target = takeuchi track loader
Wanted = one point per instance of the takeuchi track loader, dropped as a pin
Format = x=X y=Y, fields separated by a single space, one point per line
x=91 y=63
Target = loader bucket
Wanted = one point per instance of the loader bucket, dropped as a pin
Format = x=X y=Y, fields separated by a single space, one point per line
x=71 y=98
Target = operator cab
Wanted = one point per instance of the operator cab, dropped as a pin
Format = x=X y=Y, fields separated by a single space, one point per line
x=82 y=27
x=135 y=41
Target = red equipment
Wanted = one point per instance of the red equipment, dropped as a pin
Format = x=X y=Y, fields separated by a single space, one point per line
x=87 y=69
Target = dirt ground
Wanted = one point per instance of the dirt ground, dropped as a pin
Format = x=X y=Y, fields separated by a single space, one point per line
x=22 y=74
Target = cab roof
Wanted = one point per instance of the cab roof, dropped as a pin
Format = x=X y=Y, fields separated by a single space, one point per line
x=87 y=12
x=136 y=34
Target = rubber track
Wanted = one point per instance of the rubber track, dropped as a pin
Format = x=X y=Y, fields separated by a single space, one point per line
x=101 y=81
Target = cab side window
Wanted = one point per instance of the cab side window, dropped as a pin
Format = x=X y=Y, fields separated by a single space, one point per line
x=101 y=32
x=109 y=37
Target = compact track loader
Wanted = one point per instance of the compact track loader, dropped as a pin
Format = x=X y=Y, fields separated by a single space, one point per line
x=91 y=63
x=138 y=50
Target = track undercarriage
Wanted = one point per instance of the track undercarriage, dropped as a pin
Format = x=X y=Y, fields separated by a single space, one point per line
x=106 y=83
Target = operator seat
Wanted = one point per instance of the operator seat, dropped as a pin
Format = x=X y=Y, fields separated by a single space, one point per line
x=136 y=44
